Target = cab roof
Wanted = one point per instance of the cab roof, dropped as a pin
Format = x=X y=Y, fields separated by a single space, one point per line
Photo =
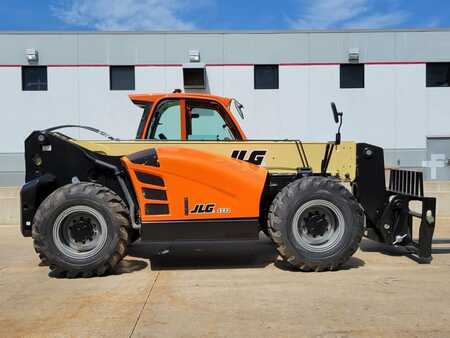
x=152 y=97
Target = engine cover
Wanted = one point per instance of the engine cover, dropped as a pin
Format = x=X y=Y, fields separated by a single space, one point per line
x=180 y=184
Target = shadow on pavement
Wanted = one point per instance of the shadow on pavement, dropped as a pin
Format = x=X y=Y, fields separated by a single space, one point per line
x=441 y=241
x=129 y=266
x=206 y=255
x=217 y=255
x=441 y=250
x=352 y=263
x=123 y=267
x=368 y=245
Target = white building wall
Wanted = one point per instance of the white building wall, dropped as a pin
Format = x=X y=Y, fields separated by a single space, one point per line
x=394 y=110
x=412 y=115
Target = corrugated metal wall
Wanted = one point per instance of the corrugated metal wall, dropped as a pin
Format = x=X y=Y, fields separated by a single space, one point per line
x=394 y=110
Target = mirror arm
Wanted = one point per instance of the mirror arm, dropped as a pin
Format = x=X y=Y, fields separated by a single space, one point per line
x=338 y=134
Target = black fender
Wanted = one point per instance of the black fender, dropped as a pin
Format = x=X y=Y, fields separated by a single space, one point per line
x=52 y=161
x=31 y=196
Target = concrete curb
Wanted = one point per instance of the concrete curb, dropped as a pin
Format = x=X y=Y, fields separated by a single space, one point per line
x=9 y=206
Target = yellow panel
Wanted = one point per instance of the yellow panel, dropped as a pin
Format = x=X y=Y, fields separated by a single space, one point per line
x=280 y=157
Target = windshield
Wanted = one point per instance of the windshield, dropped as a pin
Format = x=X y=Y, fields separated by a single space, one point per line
x=237 y=108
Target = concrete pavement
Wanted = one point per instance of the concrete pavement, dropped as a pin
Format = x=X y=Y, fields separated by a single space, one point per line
x=226 y=290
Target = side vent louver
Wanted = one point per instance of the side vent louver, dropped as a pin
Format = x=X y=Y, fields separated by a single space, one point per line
x=150 y=179
x=153 y=194
x=150 y=194
x=156 y=209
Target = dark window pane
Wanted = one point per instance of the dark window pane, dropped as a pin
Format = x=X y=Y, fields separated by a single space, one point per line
x=34 y=78
x=438 y=74
x=352 y=76
x=121 y=77
x=266 y=77
x=194 y=78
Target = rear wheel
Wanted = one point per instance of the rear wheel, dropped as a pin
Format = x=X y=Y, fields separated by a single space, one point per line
x=81 y=230
x=316 y=223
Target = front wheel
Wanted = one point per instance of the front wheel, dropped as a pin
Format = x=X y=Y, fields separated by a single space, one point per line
x=316 y=223
x=81 y=230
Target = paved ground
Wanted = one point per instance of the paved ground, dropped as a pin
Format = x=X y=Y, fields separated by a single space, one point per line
x=230 y=290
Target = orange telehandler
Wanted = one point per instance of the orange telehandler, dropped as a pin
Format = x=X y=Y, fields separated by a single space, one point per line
x=192 y=175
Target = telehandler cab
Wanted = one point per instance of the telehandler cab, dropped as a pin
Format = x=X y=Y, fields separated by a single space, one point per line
x=191 y=175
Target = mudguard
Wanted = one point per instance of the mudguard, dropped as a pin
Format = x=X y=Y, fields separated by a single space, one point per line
x=31 y=195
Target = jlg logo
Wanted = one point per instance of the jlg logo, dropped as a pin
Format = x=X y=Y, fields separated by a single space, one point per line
x=203 y=209
x=255 y=157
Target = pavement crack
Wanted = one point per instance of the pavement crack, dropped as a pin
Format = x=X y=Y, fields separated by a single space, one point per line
x=144 y=305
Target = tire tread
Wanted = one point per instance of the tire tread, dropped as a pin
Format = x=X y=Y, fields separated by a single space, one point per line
x=92 y=190
x=275 y=220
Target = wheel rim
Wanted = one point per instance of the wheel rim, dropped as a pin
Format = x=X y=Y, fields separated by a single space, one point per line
x=80 y=232
x=318 y=226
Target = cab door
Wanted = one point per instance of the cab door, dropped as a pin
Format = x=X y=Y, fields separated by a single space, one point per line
x=207 y=121
x=168 y=121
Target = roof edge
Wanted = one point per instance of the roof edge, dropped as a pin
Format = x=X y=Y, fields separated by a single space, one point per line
x=268 y=31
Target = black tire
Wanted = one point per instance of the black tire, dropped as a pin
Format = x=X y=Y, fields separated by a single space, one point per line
x=111 y=216
x=293 y=235
x=265 y=231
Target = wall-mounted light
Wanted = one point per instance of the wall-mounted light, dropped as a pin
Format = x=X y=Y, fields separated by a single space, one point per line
x=194 y=55
x=353 y=55
x=32 y=56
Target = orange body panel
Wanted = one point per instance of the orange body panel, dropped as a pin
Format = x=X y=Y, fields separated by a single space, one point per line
x=199 y=186
x=155 y=99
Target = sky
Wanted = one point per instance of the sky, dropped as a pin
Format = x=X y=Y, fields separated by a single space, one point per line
x=141 y=15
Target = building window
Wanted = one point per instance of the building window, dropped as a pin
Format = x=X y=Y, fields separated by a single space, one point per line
x=194 y=78
x=121 y=78
x=34 y=78
x=266 y=77
x=352 y=76
x=438 y=74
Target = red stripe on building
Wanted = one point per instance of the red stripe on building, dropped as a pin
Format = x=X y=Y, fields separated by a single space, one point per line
x=303 y=64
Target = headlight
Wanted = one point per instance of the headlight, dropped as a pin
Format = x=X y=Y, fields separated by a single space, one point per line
x=37 y=160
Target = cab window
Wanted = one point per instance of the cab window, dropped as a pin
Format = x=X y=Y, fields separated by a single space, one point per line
x=165 y=124
x=205 y=123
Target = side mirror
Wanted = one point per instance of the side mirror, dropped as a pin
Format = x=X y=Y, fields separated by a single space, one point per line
x=335 y=112
x=338 y=119
x=337 y=141
x=238 y=107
